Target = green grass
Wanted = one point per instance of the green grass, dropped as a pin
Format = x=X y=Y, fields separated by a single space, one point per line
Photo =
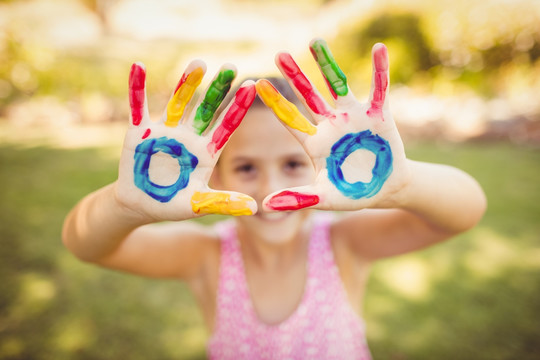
x=475 y=297
x=478 y=295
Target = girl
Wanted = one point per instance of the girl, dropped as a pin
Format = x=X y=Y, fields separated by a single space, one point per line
x=282 y=281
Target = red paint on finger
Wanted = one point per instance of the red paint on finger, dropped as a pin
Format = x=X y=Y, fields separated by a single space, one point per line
x=137 y=78
x=380 y=80
x=242 y=101
x=380 y=57
x=181 y=82
x=301 y=82
x=146 y=133
x=290 y=200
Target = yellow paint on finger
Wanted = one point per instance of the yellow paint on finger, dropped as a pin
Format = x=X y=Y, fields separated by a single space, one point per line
x=220 y=203
x=284 y=109
x=182 y=96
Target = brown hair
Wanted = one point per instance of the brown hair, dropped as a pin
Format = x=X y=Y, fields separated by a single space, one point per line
x=279 y=83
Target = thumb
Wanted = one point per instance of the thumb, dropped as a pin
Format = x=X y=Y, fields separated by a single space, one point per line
x=223 y=202
x=292 y=199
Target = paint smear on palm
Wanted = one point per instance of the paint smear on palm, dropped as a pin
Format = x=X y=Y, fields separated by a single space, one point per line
x=183 y=93
x=380 y=80
x=335 y=78
x=290 y=200
x=137 y=78
x=284 y=110
x=302 y=84
x=242 y=101
x=220 y=203
x=213 y=98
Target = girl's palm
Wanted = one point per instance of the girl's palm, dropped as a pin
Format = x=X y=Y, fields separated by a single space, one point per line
x=165 y=166
x=355 y=147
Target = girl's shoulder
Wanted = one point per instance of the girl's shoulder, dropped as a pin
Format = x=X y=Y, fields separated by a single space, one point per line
x=355 y=232
x=357 y=224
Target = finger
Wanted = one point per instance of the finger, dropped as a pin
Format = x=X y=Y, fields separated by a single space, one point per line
x=380 y=80
x=335 y=78
x=285 y=110
x=137 y=94
x=302 y=86
x=223 y=202
x=233 y=116
x=184 y=91
x=213 y=97
x=292 y=199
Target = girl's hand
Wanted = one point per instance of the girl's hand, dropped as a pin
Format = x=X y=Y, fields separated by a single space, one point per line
x=165 y=166
x=355 y=147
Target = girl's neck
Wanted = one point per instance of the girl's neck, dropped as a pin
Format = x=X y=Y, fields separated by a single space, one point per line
x=266 y=255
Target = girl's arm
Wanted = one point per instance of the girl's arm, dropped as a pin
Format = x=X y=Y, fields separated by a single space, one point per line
x=102 y=231
x=163 y=176
x=360 y=162
x=437 y=203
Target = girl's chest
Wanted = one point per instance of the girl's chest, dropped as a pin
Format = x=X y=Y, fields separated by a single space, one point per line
x=275 y=295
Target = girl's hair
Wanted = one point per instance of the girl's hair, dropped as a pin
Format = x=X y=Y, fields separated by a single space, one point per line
x=283 y=87
x=279 y=83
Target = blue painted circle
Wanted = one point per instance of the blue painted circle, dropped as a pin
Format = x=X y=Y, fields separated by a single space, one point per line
x=346 y=146
x=143 y=155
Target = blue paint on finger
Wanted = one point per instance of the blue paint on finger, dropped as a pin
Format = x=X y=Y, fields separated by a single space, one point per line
x=345 y=147
x=143 y=154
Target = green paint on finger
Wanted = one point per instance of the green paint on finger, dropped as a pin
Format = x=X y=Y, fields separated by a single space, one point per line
x=213 y=98
x=334 y=76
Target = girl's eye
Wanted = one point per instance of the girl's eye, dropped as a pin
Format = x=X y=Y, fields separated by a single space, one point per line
x=294 y=165
x=246 y=172
x=245 y=168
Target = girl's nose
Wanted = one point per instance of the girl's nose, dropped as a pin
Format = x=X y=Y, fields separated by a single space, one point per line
x=272 y=182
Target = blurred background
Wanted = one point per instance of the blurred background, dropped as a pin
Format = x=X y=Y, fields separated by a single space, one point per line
x=465 y=85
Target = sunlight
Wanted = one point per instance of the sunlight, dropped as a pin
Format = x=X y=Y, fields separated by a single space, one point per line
x=36 y=294
x=494 y=253
x=266 y=27
x=37 y=289
x=410 y=277
x=74 y=334
x=187 y=342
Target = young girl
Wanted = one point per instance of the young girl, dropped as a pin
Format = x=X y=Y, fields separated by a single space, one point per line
x=282 y=281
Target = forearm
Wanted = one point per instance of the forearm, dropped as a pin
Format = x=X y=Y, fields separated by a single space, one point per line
x=98 y=224
x=449 y=199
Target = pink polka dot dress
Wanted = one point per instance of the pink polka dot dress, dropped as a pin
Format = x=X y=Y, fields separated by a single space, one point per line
x=324 y=325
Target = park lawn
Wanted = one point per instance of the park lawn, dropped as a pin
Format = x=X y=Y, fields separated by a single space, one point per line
x=475 y=297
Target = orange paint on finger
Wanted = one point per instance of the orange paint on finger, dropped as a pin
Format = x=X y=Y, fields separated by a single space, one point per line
x=183 y=94
x=284 y=110
x=220 y=203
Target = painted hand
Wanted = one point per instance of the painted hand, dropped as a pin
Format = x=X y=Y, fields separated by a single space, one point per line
x=165 y=166
x=355 y=147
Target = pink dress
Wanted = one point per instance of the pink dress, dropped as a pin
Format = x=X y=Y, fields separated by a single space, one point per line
x=324 y=325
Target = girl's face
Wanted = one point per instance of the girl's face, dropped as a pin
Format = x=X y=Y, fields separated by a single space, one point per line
x=262 y=157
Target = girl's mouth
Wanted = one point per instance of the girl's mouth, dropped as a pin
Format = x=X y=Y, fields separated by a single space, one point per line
x=273 y=216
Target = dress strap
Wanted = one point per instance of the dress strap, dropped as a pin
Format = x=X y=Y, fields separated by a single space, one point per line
x=321 y=255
